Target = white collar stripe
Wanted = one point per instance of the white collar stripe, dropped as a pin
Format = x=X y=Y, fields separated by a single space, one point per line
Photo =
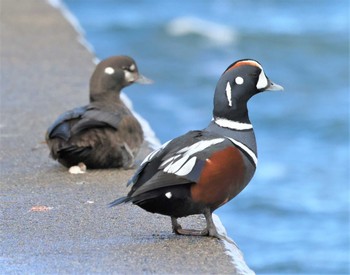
x=246 y=149
x=234 y=125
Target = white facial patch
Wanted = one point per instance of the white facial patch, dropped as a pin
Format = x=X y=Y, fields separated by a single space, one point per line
x=229 y=94
x=239 y=80
x=109 y=70
x=132 y=67
x=262 y=82
x=168 y=195
x=129 y=77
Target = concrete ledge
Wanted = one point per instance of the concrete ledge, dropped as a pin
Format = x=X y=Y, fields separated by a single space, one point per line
x=54 y=222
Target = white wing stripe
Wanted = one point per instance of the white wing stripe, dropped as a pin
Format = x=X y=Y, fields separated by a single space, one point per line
x=200 y=146
x=175 y=166
x=183 y=166
x=187 y=168
x=152 y=154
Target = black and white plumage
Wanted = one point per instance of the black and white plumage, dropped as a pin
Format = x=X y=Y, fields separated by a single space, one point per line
x=198 y=172
x=104 y=133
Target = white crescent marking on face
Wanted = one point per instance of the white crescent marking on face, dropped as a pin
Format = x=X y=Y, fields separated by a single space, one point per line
x=262 y=81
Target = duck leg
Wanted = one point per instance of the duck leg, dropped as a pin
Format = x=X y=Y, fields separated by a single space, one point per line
x=177 y=229
x=210 y=230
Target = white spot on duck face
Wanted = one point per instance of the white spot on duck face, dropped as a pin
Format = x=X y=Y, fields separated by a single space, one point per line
x=229 y=94
x=129 y=77
x=168 y=195
x=239 y=80
x=109 y=70
x=132 y=67
x=262 y=81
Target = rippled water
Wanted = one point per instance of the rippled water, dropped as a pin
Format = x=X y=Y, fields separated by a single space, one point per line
x=294 y=215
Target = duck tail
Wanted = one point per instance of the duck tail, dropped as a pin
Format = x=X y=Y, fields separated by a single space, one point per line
x=118 y=201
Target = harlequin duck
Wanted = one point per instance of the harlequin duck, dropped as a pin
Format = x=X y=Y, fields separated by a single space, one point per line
x=200 y=171
x=104 y=133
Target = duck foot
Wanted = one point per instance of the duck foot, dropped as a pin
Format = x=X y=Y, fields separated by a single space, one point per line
x=210 y=230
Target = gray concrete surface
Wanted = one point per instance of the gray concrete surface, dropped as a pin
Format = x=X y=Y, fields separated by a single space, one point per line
x=53 y=222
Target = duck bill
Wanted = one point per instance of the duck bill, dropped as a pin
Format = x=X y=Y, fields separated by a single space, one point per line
x=143 y=80
x=273 y=87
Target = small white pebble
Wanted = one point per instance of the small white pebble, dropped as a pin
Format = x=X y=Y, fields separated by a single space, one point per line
x=89 y=202
x=76 y=170
x=168 y=195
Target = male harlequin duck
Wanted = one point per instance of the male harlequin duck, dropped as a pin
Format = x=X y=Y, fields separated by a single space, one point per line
x=104 y=133
x=200 y=171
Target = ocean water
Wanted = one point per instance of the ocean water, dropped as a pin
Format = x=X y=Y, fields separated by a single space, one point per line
x=293 y=218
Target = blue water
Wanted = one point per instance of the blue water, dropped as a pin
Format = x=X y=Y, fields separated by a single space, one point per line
x=294 y=215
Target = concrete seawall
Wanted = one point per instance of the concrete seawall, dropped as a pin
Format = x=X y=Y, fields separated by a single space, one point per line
x=53 y=222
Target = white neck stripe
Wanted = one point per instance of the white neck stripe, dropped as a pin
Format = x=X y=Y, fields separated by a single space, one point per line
x=246 y=149
x=234 y=125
